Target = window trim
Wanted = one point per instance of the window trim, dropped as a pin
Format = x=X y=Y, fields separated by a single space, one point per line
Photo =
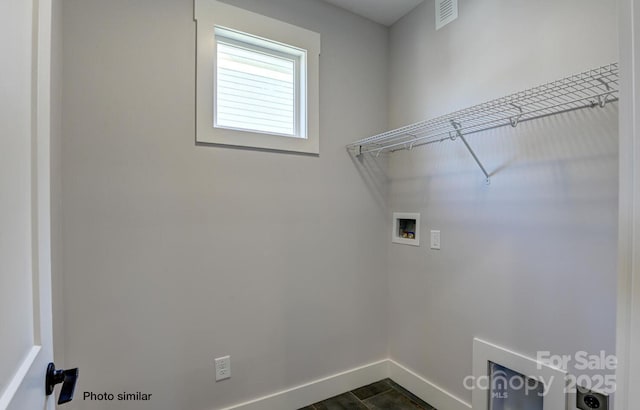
x=212 y=15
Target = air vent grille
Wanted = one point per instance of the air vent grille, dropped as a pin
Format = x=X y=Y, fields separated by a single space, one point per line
x=446 y=12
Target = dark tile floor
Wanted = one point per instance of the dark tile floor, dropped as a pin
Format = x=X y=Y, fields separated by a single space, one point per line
x=383 y=395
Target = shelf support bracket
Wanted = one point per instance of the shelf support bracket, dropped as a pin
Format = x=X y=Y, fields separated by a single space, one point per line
x=602 y=100
x=514 y=120
x=458 y=127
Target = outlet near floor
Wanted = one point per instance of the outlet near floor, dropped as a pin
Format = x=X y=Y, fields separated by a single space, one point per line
x=587 y=400
x=223 y=368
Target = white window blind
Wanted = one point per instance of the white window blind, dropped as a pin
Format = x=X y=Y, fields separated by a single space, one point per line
x=255 y=89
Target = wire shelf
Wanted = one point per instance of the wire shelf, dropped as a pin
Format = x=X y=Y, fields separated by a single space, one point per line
x=590 y=89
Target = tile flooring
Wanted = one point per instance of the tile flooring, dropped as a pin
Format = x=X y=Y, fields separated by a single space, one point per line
x=383 y=395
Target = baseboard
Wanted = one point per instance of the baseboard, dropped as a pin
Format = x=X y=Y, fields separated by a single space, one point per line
x=315 y=391
x=303 y=395
x=423 y=388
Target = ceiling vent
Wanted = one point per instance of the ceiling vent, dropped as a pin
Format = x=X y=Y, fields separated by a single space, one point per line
x=446 y=12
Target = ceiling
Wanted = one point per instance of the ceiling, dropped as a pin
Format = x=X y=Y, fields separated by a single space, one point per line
x=384 y=12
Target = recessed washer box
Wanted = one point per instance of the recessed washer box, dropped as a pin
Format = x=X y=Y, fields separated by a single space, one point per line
x=406 y=228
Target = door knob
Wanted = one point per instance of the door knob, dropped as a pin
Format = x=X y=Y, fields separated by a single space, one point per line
x=68 y=378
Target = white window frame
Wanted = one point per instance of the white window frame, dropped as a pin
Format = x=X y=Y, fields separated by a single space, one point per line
x=212 y=14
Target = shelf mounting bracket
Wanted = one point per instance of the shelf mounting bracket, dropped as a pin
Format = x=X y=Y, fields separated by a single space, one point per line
x=514 y=120
x=458 y=128
x=602 y=99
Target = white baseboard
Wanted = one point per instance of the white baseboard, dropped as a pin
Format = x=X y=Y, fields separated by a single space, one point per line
x=318 y=390
x=423 y=388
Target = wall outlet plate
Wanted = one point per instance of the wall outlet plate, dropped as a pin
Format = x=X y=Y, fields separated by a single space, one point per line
x=589 y=400
x=223 y=368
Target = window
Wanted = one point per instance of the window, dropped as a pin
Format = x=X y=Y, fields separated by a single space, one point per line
x=257 y=81
x=258 y=85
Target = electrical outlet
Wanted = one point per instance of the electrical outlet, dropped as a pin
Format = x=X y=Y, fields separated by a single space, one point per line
x=223 y=368
x=589 y=400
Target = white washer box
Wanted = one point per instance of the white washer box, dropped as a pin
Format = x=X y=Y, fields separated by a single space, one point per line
x=406 y=228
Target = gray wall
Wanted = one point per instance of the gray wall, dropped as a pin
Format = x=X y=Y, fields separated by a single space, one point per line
x=175 y=254
x=529 y=262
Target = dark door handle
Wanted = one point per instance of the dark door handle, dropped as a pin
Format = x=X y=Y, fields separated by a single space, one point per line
x=68 y=378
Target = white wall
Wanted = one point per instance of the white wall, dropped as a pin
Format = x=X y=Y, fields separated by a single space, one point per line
x=176 y=253
x=529 y=262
